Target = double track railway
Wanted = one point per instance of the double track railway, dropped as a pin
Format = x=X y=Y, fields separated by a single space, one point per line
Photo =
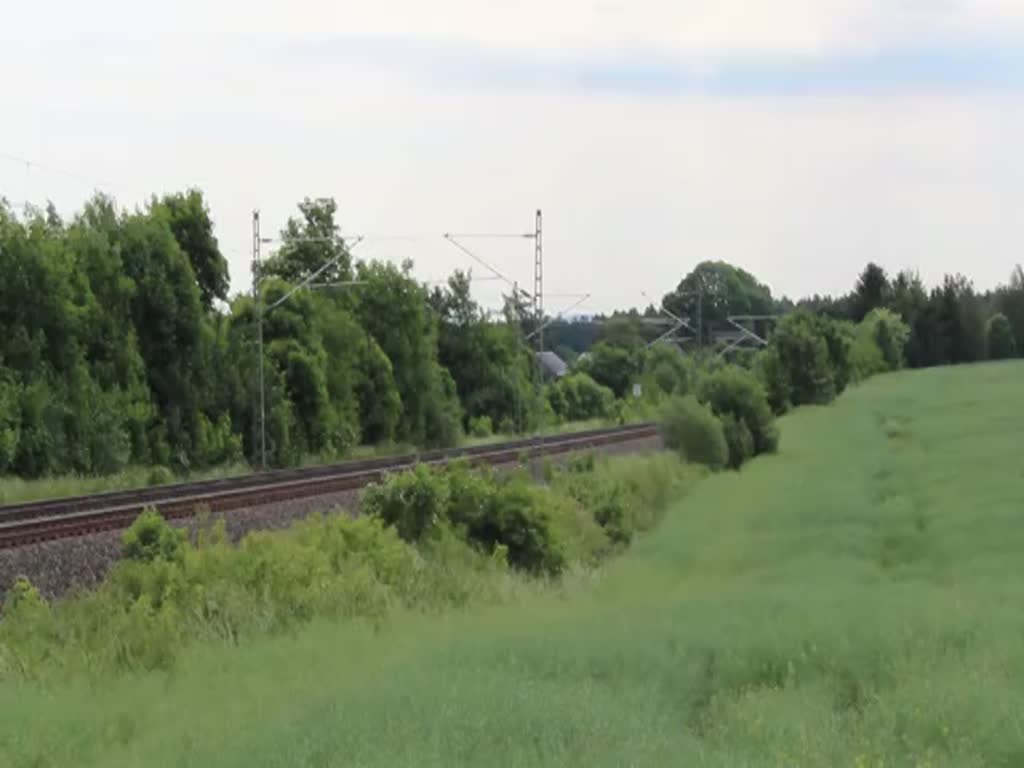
x=32 y=522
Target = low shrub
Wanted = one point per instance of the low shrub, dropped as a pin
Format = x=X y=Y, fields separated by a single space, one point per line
x=151 y=538
x=410 y=501
x=694 y=432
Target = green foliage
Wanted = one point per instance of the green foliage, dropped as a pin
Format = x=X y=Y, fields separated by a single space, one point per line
x=872 y=292
x=10 y=419
x=311 y=243
x=881 y=339
x=481 y=426
x=839 y=336
x=493 y=369
x=666 y=371
x=444 y=412
x=577 y=397
x=509 y=514
x=159 y=476
x=719 y=290
x=516 y=516
x=394 y=309
x=118 y=353
x=739 y=439
x=890 y=334
x=168 y=593
x=151 y=538
x=774 y=378
x=188 y=217
x=693 y=430
x=999 y=338
x=610 y=366
x=739 y=400
x=803 y=354
x=1009 y=300
x=413 y=502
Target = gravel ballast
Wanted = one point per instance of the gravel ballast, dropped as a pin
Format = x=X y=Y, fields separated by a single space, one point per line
x=55 y=567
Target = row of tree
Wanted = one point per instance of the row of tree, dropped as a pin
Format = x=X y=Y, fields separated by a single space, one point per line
x=952 y=323
x=120 y=344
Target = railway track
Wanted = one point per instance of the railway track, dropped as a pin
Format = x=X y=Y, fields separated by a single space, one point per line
x=32 y=522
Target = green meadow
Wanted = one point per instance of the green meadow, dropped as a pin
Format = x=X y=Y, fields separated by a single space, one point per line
x=855 y=600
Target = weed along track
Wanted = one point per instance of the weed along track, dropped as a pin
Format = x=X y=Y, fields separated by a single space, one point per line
x=31 y=523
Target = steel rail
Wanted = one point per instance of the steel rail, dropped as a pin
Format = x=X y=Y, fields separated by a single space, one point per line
x=28 y=523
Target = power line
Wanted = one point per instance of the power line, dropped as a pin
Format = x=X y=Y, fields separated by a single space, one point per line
x=30 y=164
x=494 y=270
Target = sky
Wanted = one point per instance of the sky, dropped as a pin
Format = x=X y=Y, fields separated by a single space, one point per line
x=798 y=139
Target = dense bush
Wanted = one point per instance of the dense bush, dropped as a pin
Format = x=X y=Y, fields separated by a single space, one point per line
x=413 y=502
x=577 y=397
x=610 y=365
x=803 y=354
x=772 y=374
x=489 y=512
x=151 y=538
x=739 y=439
x=838 y=336
x=739 y=400
x=695 y=432
x=666 y=372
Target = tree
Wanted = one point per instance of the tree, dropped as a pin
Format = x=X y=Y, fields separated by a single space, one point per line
x=310 y=243
x=577 y=397
x=612 y=367
x=492 y=367
x=395 y=310
x=804 y=356
x=890 y=333
x=720 y=290
x=838 y=335
x=624 y=331
x=960 y=318
x=1009 y=300
x=167 y=316
x=910 y=302
x=872 y=291
x=1000 y=339
x=667 y=370
x=189 y=220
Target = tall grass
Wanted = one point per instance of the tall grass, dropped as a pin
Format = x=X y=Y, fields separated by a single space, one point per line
x=852 y=601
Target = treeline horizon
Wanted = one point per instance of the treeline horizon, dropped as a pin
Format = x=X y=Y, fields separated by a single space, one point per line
x=120 y=344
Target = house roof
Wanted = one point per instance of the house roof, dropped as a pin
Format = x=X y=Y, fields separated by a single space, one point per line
x=552 y=364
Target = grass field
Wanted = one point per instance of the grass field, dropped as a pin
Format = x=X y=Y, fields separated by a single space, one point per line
x=854 y=601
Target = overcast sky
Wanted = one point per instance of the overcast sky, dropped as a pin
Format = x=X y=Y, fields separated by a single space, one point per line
x=795 y=138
